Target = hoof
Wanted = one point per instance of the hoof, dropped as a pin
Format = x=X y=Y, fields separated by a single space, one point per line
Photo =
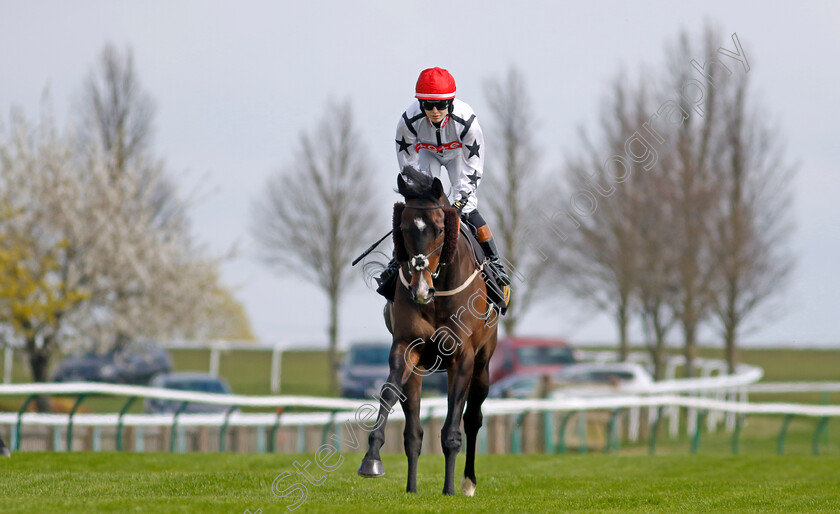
x=467 y=486
x=5 y=452
x=372 y=468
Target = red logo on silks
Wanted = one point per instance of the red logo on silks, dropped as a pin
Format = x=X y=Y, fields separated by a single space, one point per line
x=428 y=146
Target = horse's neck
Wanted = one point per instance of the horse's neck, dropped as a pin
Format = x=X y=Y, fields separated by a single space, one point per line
x=456 y=272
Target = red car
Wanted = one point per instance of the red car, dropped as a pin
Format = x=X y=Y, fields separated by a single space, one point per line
x=530 y=355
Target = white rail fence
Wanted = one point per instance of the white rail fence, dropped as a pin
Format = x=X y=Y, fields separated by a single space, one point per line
x=664 y=398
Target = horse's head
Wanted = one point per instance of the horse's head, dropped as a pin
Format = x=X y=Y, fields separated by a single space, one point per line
x=425 y=231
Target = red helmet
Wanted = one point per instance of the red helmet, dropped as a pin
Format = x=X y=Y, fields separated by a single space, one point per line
x=435 y=84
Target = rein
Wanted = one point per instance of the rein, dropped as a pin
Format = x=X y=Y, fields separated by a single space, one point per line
x=451 y=292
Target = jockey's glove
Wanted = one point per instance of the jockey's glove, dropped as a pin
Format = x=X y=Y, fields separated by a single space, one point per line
x=460 y=204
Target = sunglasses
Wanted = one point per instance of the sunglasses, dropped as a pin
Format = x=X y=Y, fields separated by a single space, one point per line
x=440 y=105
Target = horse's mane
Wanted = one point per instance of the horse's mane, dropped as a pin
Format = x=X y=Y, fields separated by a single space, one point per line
x=418 y=185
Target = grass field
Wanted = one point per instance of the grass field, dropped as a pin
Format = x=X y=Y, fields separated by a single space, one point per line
x=91 y=482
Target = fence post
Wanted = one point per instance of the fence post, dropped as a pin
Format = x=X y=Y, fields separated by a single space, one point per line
x=516 y=433
x=223 y=428
x=120 y=422
x=780 y=445
x=695 y=441
x=327 y=427
x=273 y=433
x=20 y=416
x=70 y=421
x=611 y=435
x=654 y=429
x=561 y=432
x=172 y=434
x=815 y=447
x=582 y=446
x=739 y=421
x=276 y=362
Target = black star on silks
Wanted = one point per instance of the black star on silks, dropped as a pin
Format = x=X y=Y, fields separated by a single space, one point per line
x=403 y=145
x=473 y=178
x=473 y=149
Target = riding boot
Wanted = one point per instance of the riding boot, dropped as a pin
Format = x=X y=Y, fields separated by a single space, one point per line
x=387 y=280
x=492 y=254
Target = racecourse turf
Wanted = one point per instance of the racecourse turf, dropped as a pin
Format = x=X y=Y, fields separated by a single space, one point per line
x=110 y=482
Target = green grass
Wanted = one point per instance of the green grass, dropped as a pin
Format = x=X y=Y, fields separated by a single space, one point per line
x=97 y=482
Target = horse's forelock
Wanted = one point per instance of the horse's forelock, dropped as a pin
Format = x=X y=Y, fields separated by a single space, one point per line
x=416 y=184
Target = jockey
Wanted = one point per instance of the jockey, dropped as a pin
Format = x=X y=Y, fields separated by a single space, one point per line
x=438 y=131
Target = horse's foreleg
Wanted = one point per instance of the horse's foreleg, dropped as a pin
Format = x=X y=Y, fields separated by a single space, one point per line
x=392 y=391
x=450 y=435
x=413 y=433
x=479 y=387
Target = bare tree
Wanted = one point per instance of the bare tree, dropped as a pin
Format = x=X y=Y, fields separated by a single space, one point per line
x=696 y=228
x=314 y=216
x=595 y=258
x=689 y=149
x=753 y=223
x=513 y=188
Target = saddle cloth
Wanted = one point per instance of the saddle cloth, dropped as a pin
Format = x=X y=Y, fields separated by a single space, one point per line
x=499 y=296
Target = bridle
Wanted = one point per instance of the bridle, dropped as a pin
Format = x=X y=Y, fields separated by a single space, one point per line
x=420 y=261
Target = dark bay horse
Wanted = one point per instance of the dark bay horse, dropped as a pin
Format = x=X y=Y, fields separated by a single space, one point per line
x=440 y=319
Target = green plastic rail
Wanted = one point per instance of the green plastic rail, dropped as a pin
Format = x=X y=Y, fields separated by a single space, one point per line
x=821 y=426
x=328 y=427
x=654 y=431
x=612 y=442
x=223 y=428
x=120 y=422
x=273 y=433
x=695 y=441
x=516 y=434
x=79 y=401
x=561 y=432
x=780 y=445
x=739 y=422
x=20 y=415
x=175 y=426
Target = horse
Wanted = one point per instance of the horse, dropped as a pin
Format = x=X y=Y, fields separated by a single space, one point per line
x=440 y=319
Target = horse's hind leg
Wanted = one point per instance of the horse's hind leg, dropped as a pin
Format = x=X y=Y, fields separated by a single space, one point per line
x=472 y=422
x=4 y=450
x=459 y=376
x=413 y=434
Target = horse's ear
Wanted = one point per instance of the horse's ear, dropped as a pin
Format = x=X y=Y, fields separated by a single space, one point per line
x=400 y=183
x=437 y=188
x=451 y=229
x=400 y=253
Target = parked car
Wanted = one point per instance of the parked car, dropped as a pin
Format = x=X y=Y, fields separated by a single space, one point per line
x=516 y=355
x=519 y=385
x=602 y=378
x=365 y=369
x=187 y=381
x=134 y=363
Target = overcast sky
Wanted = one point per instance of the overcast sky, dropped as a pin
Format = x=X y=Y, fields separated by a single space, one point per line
x=235 y=83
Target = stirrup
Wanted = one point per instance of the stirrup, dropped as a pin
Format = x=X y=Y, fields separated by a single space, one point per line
x=502 y=278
